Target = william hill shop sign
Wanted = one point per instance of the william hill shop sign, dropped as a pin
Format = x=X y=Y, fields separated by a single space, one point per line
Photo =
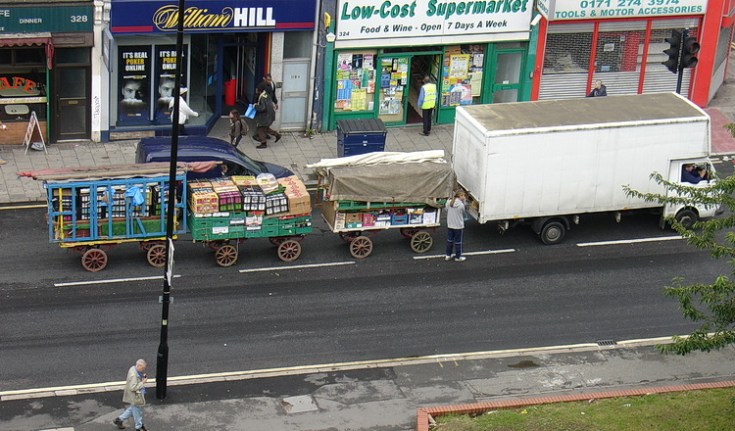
x=131 y=16
x=369 y=19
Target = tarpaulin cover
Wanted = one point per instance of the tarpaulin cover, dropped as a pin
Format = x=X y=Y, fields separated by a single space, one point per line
x=402 y=182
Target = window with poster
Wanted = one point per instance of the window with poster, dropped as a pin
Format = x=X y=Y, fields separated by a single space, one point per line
x=22 y=84
x=134 y=83
x=355 y=81
x=462 y=73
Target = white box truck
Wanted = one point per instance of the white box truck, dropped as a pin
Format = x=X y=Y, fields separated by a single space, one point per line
x=546 y=163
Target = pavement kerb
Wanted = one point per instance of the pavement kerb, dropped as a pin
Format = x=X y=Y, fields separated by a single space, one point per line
x=72 y=390
x=425 y=416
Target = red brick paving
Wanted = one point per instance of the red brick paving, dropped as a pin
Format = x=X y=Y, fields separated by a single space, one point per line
x=722 y=140
x=423 y=414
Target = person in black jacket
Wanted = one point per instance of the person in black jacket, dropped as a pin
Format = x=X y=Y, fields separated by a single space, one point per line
x=265 y=116
x=599 y=90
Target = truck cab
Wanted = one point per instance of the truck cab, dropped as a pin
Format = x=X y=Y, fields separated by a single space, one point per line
x=688 y=214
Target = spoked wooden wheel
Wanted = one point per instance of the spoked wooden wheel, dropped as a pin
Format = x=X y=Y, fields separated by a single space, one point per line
x=361 y=247
x=421 y=242
x=289 y=250
x=94 y=260
x=226 y=255
x=156 y=255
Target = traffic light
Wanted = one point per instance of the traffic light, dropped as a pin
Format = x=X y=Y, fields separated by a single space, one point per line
x=689 y=49
x=673 y=52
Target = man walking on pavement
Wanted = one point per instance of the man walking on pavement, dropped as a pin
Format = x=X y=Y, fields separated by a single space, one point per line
x=134 y=396
x=265 y=116
x=427 y=102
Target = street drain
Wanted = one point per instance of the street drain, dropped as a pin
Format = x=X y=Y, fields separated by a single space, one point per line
x=606 y=342
x=526 y=363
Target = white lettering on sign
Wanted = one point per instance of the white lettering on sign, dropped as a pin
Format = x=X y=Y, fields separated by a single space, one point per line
x=556 y=10
x=370 y=19
x=30 y=21
x=253 y=17
x=4 y=13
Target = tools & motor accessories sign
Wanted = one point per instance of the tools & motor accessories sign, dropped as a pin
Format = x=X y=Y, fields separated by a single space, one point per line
x=555 y=10
x=370 y=19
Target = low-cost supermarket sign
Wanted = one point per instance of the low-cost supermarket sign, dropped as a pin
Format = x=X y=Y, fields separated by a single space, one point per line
x=370 y=19
x=555 y=10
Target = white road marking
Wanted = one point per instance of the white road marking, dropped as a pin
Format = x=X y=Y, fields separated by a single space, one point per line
x=470 y=253
x=629 y=241
x=312 y=265
x=114 y=280
x=329 y=367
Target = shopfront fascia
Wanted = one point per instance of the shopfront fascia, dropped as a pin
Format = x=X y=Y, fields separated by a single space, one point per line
x=36 y=43
x=223 y=40
x=622 y=45
x=476 y=52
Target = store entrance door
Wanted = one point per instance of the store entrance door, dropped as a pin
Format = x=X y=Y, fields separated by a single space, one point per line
x=71 y=116
x=506 y=84
x=294 y=93
x=393 y=79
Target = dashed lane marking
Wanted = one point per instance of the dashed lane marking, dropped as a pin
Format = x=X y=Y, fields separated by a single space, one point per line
x=470 y=253
x=311 y=265
x=110 y=281
x=629 y=241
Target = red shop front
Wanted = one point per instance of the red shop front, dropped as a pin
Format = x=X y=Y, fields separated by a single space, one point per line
x=582 y=42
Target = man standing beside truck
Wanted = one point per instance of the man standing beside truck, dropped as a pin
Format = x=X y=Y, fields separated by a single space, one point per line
x=455 y=226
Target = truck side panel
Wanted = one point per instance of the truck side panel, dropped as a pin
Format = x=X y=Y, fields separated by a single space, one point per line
x=569 y=171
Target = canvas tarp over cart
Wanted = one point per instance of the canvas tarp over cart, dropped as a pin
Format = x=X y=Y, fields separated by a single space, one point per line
x=365 y=194
x=90 y=210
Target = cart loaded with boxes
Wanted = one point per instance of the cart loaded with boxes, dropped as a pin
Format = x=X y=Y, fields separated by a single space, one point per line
x=90 y=210
x=225 y=212
x=364 y=194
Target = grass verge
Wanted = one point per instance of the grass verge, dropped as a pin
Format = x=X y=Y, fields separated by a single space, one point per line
x=708 y=409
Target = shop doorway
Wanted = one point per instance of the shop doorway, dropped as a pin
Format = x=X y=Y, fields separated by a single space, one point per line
x=506 y=86
x=71 y=110
x=240 y=74
x=400 y=79
x=294 y=93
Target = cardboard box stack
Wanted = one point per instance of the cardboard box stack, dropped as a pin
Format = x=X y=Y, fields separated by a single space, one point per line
x=298 y=198
x=286 y=197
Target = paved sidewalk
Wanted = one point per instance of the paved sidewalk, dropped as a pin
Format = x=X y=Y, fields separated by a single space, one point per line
x=384 y=398
x=294 y=151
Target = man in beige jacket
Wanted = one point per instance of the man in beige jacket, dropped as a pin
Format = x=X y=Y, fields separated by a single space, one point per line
x=134 y=396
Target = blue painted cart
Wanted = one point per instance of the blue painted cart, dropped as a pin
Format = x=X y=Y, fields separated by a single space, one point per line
x=113 y=206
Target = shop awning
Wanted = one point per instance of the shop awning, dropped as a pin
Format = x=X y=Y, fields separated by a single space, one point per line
x=31 y=39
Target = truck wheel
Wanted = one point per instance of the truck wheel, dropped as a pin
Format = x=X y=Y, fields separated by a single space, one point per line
x=687 y=217
x=553 y=233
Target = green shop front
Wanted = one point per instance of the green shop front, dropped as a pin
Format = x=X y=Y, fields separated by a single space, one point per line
x=476 y=53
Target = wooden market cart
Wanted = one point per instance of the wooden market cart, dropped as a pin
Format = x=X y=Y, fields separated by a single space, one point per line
x=90 y=210
x=223 y=213
x=365 y=194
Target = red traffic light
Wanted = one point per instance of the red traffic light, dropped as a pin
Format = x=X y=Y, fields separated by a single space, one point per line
x=689 y=49
x=673 y=51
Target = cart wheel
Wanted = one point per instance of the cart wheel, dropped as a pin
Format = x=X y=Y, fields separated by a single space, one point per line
x=80 y=249
x=94 y=260
x=226 y=255
x=421 y=242
x=277 y=241
x=408 y=233
x=289 y=250
x=156 y=255
x=361 y=247
x=145 y=246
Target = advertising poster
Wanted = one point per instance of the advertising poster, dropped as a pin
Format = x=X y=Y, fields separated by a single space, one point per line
x=165 y=81
x=134 y=84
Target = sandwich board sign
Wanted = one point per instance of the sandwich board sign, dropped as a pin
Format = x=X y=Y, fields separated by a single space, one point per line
x=33 y=125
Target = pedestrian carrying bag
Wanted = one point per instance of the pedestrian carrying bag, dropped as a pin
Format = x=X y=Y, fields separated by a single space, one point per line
x=250 y=112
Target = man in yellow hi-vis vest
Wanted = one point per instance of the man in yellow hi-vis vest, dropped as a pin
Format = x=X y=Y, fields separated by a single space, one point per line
x=427 y=102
